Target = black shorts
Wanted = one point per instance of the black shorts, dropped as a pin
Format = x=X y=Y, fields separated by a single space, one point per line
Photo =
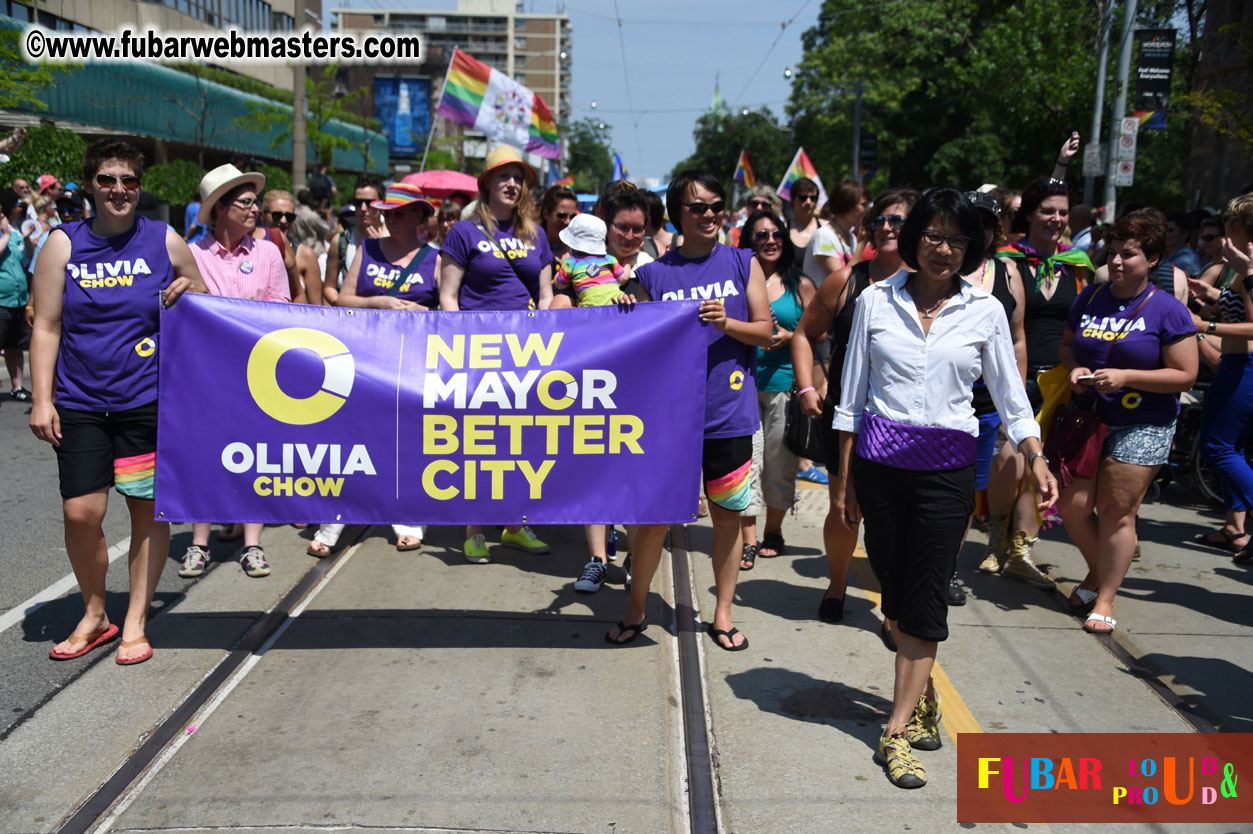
x=727 y=468
x=14 y=331
x=915 y=522
x=99 y=448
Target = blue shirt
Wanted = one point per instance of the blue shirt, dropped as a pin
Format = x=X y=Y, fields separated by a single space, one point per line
x=189 y=220
x=1186 y=259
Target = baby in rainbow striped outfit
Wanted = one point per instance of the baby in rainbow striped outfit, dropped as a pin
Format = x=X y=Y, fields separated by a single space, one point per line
x=596 y=276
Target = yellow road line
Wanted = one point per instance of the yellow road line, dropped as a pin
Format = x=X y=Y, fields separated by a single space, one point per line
x=957 y=717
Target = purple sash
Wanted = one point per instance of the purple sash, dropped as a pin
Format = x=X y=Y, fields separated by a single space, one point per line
x=922 y=448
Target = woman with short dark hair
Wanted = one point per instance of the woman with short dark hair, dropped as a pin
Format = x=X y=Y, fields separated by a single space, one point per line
x=1130 y=350
x=918 y=343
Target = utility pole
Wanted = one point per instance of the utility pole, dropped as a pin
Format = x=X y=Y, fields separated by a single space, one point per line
x=298 y=129
x=857 y=134
x=1120 y=106
x=1098 y=103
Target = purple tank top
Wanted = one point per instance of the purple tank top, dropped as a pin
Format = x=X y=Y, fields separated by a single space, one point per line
x=379 y=274
x=731 y=385
x=110 y=315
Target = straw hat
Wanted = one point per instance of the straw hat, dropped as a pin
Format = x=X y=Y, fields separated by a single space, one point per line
x=506 y=155
x=219 y=181
x=402 y=194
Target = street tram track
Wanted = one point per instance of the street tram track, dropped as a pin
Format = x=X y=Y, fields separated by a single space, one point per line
x=701 y=805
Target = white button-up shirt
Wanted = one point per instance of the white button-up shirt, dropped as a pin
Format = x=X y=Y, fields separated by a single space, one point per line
x=894 y=371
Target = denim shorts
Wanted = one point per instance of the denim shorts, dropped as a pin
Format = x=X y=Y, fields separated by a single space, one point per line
x=1142 y=445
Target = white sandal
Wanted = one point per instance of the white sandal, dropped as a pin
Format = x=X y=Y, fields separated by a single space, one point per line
x=1103 y=620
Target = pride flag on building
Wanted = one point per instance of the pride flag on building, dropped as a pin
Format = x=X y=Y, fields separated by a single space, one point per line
x=801 y=167
x=479 y=96
x=744 y=171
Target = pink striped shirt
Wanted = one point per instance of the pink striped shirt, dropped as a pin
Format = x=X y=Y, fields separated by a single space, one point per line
x=254 y=269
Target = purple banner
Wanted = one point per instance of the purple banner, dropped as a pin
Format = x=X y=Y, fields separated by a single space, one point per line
x=286 y=412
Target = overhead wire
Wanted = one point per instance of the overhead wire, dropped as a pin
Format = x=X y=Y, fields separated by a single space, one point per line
x=766 y=57
x=626 y=78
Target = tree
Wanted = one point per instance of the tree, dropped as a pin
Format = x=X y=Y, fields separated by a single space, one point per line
x=591 y=161
x=48 y=150
x=720 y=136
x=173 y=182
x=21 y=82
x=324 y=104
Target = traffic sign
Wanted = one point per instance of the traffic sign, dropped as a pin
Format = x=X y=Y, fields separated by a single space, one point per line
x=1130 y=126
x=1126 y=173
x=1127 y=147
x=1095 y=156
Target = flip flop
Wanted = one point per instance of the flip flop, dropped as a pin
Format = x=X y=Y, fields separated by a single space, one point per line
x=407 y=547
x=1100 y=619
x=95 y=640
x=715 y=633
x=127 y=644
x=1227 y=542
x=634 y=630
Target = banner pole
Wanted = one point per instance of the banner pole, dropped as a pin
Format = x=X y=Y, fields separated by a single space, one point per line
x=430 y=134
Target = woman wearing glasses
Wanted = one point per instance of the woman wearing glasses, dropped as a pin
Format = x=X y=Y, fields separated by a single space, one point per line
x=739 y=322
x=557 y=209
x=774 y=466
x=907 y=442
x=368 y=224
x=85 y=352
x=498 y=260
x=236 y=265
x=832 y=316
x=278 y=213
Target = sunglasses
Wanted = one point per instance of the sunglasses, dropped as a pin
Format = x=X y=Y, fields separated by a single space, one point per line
x=956 y=243
x=628 y=230
x=763 y=205
x=129 y=181
x=700 y=209
x=289 y=216
x=363 y=202
x=1208 y=238
x=807 y=198
x=895 y=221
x=565 y=215
x=763 y=236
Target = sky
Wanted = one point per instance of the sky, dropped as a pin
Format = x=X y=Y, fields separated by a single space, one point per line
x=675 y=50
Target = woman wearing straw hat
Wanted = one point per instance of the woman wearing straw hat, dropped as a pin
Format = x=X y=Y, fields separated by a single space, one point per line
x=392 y=273
x=94 y=348
x=498 y=260
x=234 y=264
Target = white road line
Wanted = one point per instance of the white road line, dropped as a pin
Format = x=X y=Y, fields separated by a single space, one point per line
x=222 y=694
x=20 y=611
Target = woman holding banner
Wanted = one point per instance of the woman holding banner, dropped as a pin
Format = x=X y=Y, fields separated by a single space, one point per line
x=738 y=315
x=392 y=273
x=499 y=260
x=94 y=348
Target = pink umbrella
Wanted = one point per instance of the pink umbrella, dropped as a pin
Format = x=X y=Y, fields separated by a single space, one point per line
x=443 y=183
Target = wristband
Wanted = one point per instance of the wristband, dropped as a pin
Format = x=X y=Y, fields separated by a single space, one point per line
x=1212 y=329
x=1034 y=455
x=805 y=391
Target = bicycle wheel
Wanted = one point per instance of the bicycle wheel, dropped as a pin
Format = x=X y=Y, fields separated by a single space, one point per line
x=1204 y=476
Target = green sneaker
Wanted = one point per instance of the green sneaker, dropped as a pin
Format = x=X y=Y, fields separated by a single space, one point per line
x=524 y=539
x=903 y=768
x=923 y=729
x=475 y=550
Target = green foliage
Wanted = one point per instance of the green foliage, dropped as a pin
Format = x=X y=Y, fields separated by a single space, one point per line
x=263 y=90
x=173 y=182
x=48 y=150
x=322 y=106
x=276 y=178
x=720 y=136
x=20 y=82
x=591 y=161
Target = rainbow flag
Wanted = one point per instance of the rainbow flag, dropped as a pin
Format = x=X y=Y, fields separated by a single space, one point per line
x=1151 y=119
x=566 y=182
x=801 y=167
x=744 y=171
x=478 y=96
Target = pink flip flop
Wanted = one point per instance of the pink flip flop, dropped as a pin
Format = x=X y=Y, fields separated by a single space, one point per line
x=131 y=661
x=95 y=640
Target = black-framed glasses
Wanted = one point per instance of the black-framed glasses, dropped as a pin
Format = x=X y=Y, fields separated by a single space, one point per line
x=764 y=236
x=895 y=221
x=629 y=230
x=246 y=203
x=565 y=215
x=701 y=209
x=957 y=243
x=129 y=181
x=278 y=216
x=69 y=211
x=363 y=202
x=760 y=205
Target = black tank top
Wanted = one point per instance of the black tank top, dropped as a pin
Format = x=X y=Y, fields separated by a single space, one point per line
x=1000 y=291
x=842 y=326
x=1045 y=318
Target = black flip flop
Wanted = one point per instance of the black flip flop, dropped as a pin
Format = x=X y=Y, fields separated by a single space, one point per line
x=635 y=631
x=715 y=633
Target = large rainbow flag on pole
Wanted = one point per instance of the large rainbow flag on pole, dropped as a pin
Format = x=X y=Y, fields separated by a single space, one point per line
x=801 y=167
x=478 y=96
x=744 y=171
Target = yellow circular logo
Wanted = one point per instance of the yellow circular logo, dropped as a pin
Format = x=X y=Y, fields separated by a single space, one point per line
x=336 y=382
x=1132 y=400
x=146 y=347
x=737 y=380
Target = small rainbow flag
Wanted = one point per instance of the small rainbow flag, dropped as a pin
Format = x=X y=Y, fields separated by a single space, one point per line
x=1151 y=119
x=479 y=96
x=744 y=171
x=801 y=167
x=566 y=182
